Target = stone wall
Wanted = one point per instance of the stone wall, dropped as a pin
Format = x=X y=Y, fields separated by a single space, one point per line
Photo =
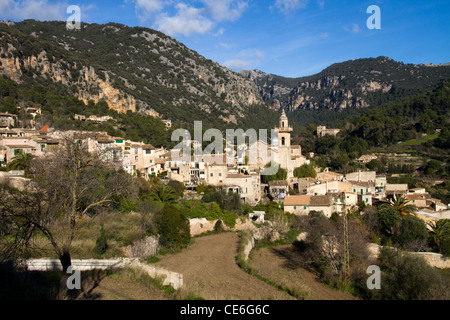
x=14 y=180
x=248 y=247
x=199 y=226
x=170 y=278
x=434 y=259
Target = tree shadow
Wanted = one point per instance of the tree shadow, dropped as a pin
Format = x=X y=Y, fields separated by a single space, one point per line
x=291 y=255
x=90 y=281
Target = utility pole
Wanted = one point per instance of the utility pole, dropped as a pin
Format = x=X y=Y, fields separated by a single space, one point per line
x=346 y=264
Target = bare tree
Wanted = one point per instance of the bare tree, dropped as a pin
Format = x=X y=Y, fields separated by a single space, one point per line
x=67 y=186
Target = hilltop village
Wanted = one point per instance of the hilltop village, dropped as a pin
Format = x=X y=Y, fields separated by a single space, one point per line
x=329 y=192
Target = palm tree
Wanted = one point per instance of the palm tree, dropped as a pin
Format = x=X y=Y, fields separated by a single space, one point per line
x=162 y=193
x=21 y=161
x=440 y=230
x=402 y=207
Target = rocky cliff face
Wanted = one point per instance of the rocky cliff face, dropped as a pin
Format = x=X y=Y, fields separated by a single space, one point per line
x=358 y=83
x=132 y=69
x=88 y=85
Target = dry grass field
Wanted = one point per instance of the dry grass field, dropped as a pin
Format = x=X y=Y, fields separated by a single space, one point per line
x=280 y=265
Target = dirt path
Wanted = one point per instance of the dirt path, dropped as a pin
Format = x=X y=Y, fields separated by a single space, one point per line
x=280 y=264
x=210 y=271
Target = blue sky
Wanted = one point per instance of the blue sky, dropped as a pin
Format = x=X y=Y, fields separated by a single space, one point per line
x=291 y=38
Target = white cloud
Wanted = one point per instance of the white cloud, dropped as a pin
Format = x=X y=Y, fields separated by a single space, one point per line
x=150 y=6
x=238 y=65
x=354 y=28
x=225 y=10
x=287 y=6
x=245 y=59
x=321 y=4
x=191 y=16
x=219 y=32
x=188 y=20
x=32 y=9
x=226 y=45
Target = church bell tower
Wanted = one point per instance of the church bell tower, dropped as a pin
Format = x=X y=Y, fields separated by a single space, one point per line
x=284 y=131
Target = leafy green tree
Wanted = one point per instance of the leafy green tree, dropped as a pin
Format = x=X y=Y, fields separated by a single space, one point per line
x=281 y=173
x=412 y=234
x=402 y=206
x=177 y=186
x=306 y=170
x=443 y=141
x=22 y=161
x=388 y=218
x=163 y=193
x=439 y=234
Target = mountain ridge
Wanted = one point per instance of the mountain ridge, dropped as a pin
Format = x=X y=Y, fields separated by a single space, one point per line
x=358 y=83
x=131 y=68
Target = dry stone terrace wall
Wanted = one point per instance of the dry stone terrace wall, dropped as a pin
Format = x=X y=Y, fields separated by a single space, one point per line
x=434 y=259
x=170 y=278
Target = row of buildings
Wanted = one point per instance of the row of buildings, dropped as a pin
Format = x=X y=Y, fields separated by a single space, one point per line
x=332 y=192
x=329 y=192
x=138 y=158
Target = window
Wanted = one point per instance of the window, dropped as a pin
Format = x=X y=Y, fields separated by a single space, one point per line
x=119 y=141
x=220 y=174
x=295 y=207
x=211 y=174
x=305 y=207
x=283 y=141
x=151 y=161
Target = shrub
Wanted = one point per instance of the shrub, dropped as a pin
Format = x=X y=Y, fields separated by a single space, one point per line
x=218 y=227
x=101 y=245
x=173 y=227
x=412 y=234
x=229 y=218
x=406 y=277
x=126 y=205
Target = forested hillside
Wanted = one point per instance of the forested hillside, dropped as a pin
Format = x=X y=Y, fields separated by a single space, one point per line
x=131 y=69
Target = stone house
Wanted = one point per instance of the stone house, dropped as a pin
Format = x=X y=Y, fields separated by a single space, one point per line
x=302 y=205
x=248 y=186
x=364 y=176
x=329 y=187
x=7 y=120
x=322 y=131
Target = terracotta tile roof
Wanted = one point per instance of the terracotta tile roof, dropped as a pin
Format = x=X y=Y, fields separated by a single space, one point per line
x=278 y=183
x=237 y=176
x=418 y=196
x=307 y=200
